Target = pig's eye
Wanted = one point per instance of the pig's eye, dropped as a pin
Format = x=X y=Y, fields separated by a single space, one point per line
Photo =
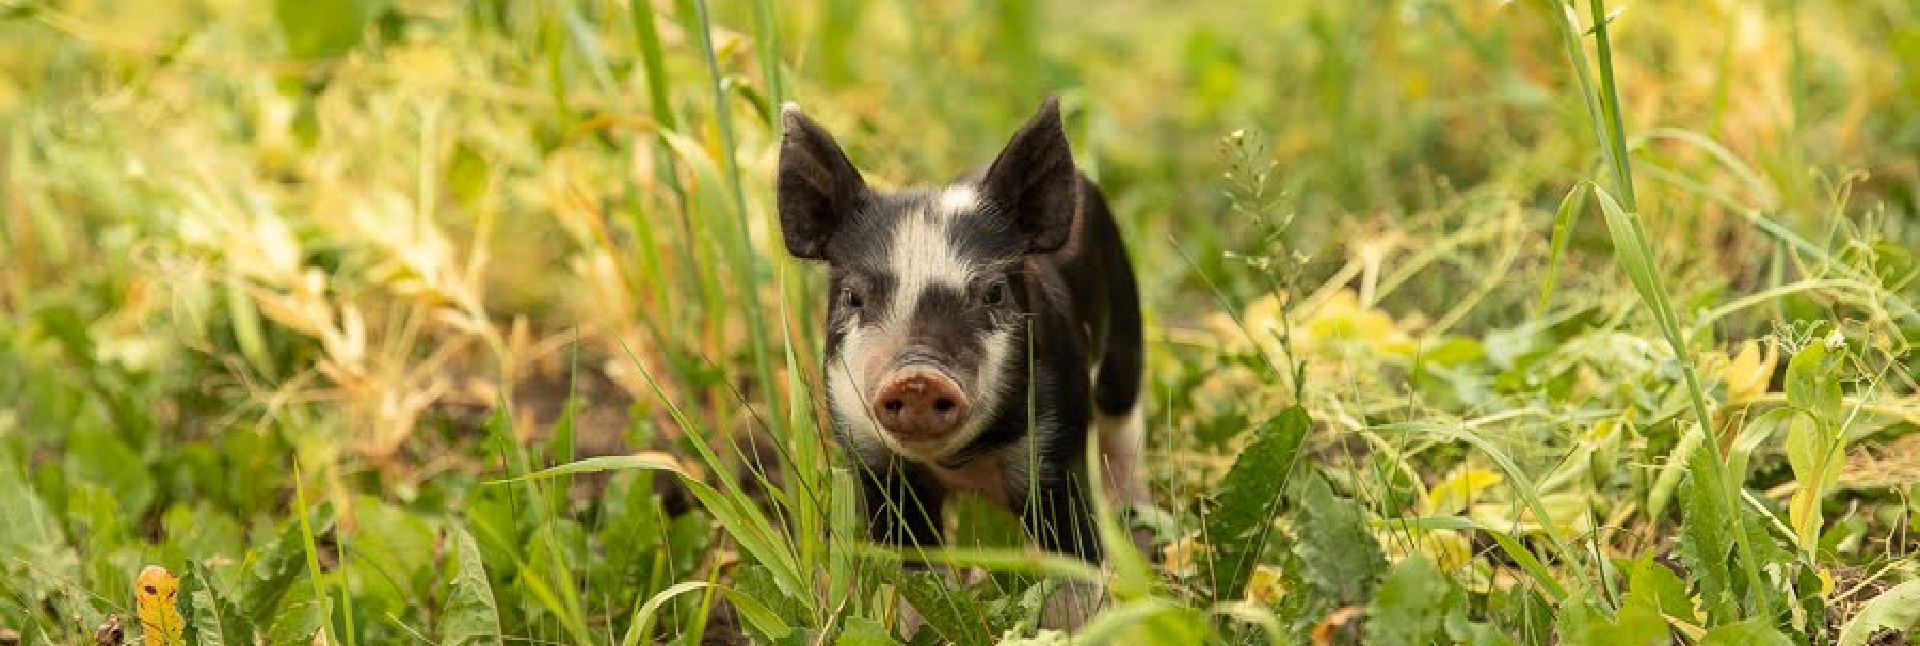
x=995 y=293
x=851 y=298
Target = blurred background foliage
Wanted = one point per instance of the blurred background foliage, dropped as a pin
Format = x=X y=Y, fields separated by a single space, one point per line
x=249 y=245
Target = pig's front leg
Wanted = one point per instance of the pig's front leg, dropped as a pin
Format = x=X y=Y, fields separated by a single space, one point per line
x=903 y=506
x=1060 y=514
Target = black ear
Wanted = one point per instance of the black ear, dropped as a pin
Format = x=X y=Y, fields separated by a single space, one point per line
x=1034 y=179
x=817 y=187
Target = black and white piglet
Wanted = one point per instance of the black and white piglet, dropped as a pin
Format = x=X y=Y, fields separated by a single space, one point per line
x=976 y=333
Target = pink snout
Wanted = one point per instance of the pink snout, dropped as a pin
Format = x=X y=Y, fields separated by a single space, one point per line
x=917 y=403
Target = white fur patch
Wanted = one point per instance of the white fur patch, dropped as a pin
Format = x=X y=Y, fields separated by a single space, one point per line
x=848 y=398
x=1121 y=437
x=921 y=254
x=957 y=200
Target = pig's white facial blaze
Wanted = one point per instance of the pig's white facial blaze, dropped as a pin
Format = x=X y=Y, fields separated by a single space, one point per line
x=920 y=255
x=922 y=252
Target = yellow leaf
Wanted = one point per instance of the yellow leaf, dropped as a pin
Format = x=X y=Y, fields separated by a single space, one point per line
x=1749 y=371
x=1452 y=495
x=153 y=592
x=1265 y=586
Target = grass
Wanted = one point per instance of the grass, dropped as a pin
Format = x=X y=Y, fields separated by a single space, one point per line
x=383 y=322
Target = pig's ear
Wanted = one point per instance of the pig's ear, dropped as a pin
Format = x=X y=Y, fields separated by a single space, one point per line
x=1034 y=178
x=817 y=188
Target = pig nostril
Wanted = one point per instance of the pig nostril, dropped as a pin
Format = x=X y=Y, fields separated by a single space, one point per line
x=943 y=405
x=894 y=405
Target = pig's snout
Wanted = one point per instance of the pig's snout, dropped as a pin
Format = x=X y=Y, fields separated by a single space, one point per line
x=919 y=403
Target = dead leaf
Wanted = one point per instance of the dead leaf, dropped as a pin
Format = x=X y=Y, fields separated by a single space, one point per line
x=1323 y=632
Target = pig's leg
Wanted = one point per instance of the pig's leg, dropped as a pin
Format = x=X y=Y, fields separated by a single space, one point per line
x=1060 y=513
x=1116 y=390
x=903 y=505
x=1121 y=437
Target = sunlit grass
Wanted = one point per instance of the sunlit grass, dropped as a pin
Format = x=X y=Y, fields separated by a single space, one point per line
x=299 y=297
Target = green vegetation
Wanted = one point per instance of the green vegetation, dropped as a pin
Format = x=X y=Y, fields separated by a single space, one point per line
x=384 y=321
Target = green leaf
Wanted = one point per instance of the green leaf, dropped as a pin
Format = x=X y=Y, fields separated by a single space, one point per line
x=952 y=613
x=1752 y=632
x=863 y=631
x=1242 y=512
x=1338 y=556
x=29 y=521
x=297 y=619
x=1896 y=609
x=1412 y=605
x=392 y=541
x=1706 y=539
x=1582 y=625
x=272 y=574
x=1462 y=631
x=472 y=616
x=1149 y=620
x=322 y=29
x=95 y=455
x=1570 y=206
x=1812 y=383
x=213 y=619
x=1655 y=587
x=752 y=583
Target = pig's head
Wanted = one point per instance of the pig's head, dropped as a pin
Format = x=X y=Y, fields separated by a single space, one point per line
x=926 y=329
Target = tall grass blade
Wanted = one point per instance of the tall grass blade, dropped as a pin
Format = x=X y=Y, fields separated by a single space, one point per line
x=1570 y=207
x=321 y=607
x=1631 y=247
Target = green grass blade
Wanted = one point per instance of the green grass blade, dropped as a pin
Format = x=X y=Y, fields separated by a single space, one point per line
x=1570 y=207
x=322 y=606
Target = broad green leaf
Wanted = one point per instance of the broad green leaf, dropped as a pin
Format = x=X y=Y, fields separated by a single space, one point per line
x=954 y=614
x=213 y=618
x=1706 y=539
x=1338 y=555
x=1412 y=604
x=1812 y=381
x=1240 y=519
x=392 y=541
x=1462 y=631
x=1150 y=620
x=96 y=456
x=758 y=598
x=271 y=573
x=1815 y=453
x=29 y=521
x=1896 y=609
x=1653 y=586
x=1752 y=632
x=863 y=631
x=321 y=29
x=472 y=617
x=297 y=619
x=1582 y=625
